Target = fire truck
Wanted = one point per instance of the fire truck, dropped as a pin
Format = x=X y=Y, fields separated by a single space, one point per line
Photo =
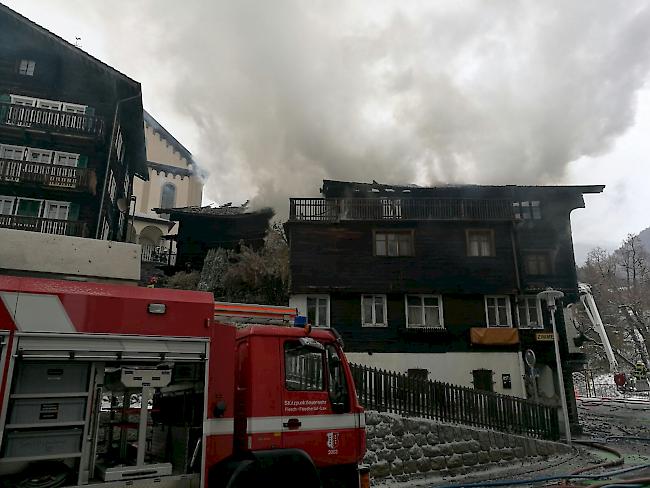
x=111 y=385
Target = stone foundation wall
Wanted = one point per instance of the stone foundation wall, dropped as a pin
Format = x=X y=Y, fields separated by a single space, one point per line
x=406 y=448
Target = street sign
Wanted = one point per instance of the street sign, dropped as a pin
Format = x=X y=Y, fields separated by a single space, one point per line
x=529 y=357
x=544 y=337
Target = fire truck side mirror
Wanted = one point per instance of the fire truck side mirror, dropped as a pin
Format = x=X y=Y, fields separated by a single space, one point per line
x=219 y=409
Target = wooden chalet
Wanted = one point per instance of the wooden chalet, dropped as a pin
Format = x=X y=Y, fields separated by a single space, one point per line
x=71 y=136
x=439 y=282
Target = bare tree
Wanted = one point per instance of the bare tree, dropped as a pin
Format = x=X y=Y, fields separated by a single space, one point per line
x=621 y=286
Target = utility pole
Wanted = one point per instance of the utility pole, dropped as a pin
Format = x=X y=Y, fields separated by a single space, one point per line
x=550 y=296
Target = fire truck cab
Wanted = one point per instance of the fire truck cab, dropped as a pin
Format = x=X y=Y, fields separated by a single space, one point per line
x=106 y=385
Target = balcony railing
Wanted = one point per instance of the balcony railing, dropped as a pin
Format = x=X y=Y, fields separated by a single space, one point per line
x=158 y=255
x=45 y=226
x=52 y=120
x=338 y=209
x=49 y=175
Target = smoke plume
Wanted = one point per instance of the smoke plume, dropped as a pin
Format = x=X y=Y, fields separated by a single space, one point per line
x=284 y=93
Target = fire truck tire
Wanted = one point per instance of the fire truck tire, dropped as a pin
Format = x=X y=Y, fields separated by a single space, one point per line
x=346 y=476
x=245 y=473
x=289 y=468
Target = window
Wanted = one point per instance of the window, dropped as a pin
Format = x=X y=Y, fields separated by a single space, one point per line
x=28 y=207
x=66 y=159
x=317 y=311
x=527 y=210
x=480 y=243
x=119 y=144
x=419 y=374
x=497 y=311
x=106 y=230
x=529 y=313
x=26 y=67
x=6 y=205
x=482 y=379
x=424 y=311
x=373 y=311
x=112 y=186
x=394 y=243
x=168 y=196
x=12 y=152
x=74 y=108
x=39 y=156
x=303 y=367
x=391 y=208
x=337 y=385
x=56 y=210
x=24 y=101
x=536 y=264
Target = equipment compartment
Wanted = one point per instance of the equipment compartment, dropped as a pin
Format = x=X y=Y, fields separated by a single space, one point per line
x=47 y=411
x=42 y=442
x=51 y=377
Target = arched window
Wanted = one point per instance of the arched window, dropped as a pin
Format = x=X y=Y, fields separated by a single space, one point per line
x=168 y=196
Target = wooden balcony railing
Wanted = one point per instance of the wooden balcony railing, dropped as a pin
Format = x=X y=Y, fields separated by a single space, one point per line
x=45 y=226
x=47 y=175
x=337 y=209
x=51 y=120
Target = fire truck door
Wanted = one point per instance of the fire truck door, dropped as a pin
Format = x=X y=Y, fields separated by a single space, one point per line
x=311 y=421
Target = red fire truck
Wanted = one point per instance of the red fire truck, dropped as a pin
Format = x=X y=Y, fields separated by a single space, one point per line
x=108 y=385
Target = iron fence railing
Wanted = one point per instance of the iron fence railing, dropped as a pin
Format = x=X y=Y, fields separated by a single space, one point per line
x=389 y=391
x=50 y=175
x=158 y=255
x=46 y=119
x=337 y=209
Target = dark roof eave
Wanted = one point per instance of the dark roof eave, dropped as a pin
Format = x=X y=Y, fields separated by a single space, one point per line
x=51 y=35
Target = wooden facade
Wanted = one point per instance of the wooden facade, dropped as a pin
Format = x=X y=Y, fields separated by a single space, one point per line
x=203 y=228
x=464 y=246
x=71 y=135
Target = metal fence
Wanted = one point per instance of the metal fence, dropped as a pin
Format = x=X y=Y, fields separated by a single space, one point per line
x=393 y=392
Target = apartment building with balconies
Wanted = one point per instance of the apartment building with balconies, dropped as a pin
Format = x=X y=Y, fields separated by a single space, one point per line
x=71 y=136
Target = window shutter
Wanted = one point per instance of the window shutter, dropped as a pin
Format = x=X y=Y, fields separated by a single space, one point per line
x=73 y=213
x=82 y=162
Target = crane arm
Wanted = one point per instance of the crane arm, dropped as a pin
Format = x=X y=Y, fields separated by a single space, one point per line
x=589 y=304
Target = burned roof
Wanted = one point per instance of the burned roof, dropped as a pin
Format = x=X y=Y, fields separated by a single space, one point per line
x=351 y=189
x=226 y=210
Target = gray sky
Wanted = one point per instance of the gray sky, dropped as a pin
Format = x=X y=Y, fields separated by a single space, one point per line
x=272 y=97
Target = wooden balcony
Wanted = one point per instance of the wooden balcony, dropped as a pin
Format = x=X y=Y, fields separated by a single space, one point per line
x=45 y=226
x=51 y=120
x=396 y=209
x=48 y=175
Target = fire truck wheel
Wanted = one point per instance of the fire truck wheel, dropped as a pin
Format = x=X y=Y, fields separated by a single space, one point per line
x=341 y=477
x=245 y=473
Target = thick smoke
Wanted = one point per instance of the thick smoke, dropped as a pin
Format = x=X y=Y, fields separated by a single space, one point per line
x=285 y=93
